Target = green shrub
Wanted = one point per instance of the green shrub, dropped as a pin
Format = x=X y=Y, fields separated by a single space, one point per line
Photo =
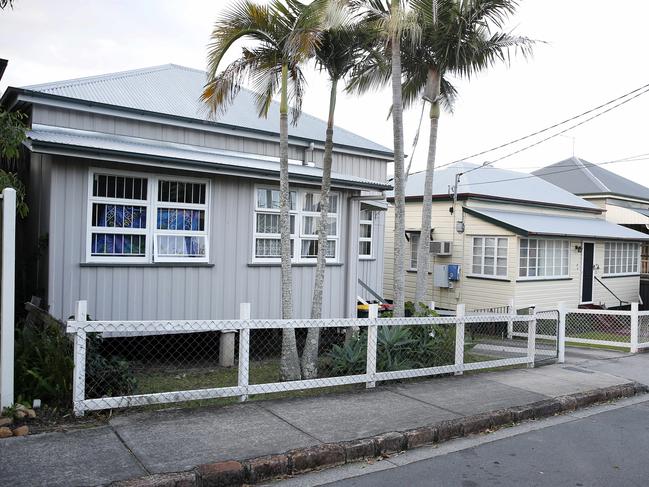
x=44 y=363
x=106 y=375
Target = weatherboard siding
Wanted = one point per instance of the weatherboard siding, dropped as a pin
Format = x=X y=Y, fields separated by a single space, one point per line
x=356 y=165
x=139 y=293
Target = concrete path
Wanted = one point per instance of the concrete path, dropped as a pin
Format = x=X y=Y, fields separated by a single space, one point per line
x=170 y=440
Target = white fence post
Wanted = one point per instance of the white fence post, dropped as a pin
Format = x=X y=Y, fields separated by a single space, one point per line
x=531 y=340
x=372 y=330
x=634 y=327
x=79 y=378
x=510 y=321
x=244 y=351
x=432 y=305
x=459 y=338
x=561 y=332
x=7 y=292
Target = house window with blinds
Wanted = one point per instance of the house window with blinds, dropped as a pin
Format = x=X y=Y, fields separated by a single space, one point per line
x=544 y=259
x=143 y=218
x=621 y=258
x=304 y=217
x=365 y=234
x=489 y=257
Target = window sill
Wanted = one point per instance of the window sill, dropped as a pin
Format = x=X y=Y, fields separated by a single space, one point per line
x=616 y=276
x=414 y=271
x=489 y=278
x=541 y=279
x=295 y=264
x=367 y=258
x=145 y=264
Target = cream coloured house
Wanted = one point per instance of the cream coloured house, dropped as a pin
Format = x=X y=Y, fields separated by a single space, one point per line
x=505 y=235
x=625 y=202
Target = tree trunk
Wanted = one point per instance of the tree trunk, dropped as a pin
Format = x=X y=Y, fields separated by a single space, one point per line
x=310 y=352
x=399 y=177
x=423 y=250
x=290 y=363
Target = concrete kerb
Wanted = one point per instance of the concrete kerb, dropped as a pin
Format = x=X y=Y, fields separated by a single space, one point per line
x=236 y=473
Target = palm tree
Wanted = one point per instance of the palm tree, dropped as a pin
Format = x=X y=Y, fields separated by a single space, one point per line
x=395 y=23
x=457 y=38
x=285 y=34
x=338 y=52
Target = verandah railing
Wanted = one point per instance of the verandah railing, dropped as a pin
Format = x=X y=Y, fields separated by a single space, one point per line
x=153 y=362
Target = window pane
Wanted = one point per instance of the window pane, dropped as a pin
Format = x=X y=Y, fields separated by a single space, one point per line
x=269 y=198
x=365 y=248
x=366 y=214
x=181 y=245
x=309 y=248
x=268 y=247
x=181 y=219
x=122 y=187
x=118 y=245
x=366 y=230
x=118 y=216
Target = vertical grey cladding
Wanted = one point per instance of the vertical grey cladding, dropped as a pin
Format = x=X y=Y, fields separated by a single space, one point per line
x=364 y=166
x=121 y=292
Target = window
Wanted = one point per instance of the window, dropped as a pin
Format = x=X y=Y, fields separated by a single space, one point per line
x=621 y=258
x=365 y=234
x=132 y=218
x=489 y=256
x=414 y=245
x=304 y=215
x=544 y=258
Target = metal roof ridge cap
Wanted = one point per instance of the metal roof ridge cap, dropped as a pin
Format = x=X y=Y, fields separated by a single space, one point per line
x=590 y=175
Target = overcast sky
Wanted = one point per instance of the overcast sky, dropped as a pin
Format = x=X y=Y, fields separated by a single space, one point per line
x=596 y=50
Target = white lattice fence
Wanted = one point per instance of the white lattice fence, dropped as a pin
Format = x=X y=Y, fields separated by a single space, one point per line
x=611 y=328
x=153 y=362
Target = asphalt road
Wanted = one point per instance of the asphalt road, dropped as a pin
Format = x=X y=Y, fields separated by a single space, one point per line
x=606 y=449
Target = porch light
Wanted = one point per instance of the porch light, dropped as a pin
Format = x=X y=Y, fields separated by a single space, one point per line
x=578 y=248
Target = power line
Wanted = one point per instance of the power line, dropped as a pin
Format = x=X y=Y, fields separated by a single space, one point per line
x=640 y=157
x=538 y=132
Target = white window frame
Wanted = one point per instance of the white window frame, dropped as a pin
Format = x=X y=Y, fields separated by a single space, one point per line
x=495 y=256
x=628 y=252
x=298 y=236
x=150 y=231
x=543 y=277
x=414 y=241
x=369 y=239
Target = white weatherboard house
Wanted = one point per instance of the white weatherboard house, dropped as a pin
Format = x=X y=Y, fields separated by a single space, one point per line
x=153 y=210
x=513 y=235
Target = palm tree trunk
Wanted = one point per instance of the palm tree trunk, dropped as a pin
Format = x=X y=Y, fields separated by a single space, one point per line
x=310 y=352
x=290 y=363
x=423 y=250
x=399 y=177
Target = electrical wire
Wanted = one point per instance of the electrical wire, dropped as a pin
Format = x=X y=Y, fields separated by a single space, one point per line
x=640 y=157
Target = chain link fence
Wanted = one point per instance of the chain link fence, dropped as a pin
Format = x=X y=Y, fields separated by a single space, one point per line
x=599 y=327
x=125 y=364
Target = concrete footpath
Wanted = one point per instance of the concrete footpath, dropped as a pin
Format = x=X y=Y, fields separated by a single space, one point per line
x=174 y=440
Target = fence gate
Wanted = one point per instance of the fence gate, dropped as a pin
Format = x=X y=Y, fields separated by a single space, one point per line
x=546 y=342
x=7 y=295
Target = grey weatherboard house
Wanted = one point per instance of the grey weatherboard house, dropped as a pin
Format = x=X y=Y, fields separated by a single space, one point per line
x=153 y=210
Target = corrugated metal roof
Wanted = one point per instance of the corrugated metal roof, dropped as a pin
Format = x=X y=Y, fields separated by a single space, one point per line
x=175 y=90
x=583 y=177
x=493 y=182
x=555 y=225
x=251 y=164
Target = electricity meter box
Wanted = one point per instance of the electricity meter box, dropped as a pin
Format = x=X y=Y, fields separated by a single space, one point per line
x=454 y=271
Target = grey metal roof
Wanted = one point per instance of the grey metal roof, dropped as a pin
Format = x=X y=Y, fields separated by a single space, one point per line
x=43 y=138
x=529 y=224
x=583 y=177
x=493 y=182
x=175 y=90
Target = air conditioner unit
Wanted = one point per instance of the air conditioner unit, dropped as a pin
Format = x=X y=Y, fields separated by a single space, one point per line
x=441 y=247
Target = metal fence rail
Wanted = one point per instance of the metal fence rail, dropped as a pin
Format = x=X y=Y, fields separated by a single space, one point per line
x=128 y=363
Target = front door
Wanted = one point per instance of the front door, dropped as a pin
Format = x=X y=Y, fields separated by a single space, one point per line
x=588 y=250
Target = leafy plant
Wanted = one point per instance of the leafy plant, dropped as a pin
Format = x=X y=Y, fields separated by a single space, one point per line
x=349 y=358
x=44 y=363
x=106 y=375
x=11 y=180
x=13 y=131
